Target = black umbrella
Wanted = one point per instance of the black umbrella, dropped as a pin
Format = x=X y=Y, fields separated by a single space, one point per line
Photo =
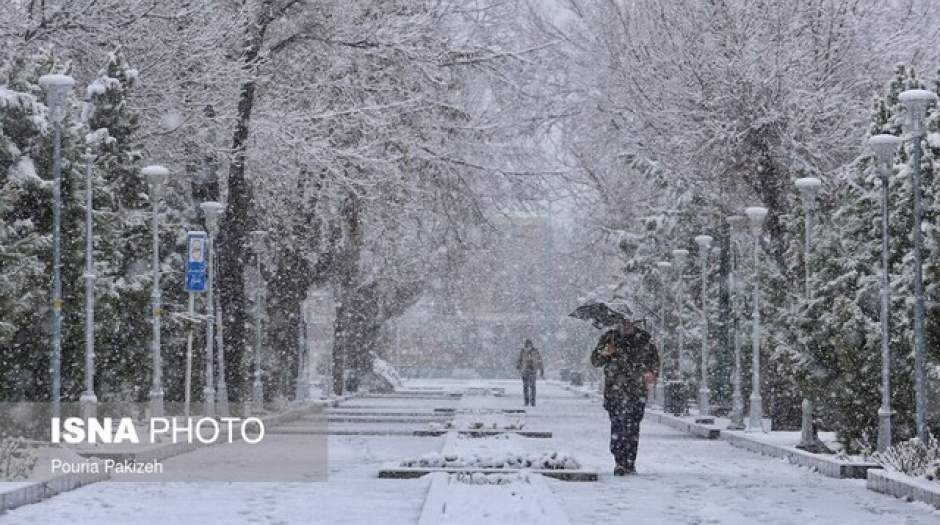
x=602 y=314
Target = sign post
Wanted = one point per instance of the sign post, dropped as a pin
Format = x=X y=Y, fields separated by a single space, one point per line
x=195 y=283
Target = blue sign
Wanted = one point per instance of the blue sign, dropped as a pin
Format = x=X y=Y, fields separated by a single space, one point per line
x=195 y=281
x=196 y=261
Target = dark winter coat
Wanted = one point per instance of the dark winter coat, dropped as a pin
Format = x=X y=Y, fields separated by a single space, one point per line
x=529 y=361
x=634 y=356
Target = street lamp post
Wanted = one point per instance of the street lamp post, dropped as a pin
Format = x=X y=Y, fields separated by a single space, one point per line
x=221 y=391
x=756 y=216
x=660 y=392
x=916 y=102
x=302 y=387
x=737 y=223
x=680 y=257
x=212 y=211
x=257 y=390
x=157 y=177
x=57 y=88
x=808 y=187
x=885 y=148
x=88 y=402
x=704 y=243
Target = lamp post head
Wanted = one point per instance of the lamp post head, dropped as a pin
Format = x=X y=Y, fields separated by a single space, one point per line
x=680 y=255
x=704 y=242
x=885 y=147
x=57 y=88
x=212 y=210
x=736 y=221
x=156 y=176
x=756 y=215
x=808 y=187
x=257 y=240
x=663 y=266
x=916 y=102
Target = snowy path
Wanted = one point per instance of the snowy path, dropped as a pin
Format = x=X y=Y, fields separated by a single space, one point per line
x=681 y=480
x=688 y=480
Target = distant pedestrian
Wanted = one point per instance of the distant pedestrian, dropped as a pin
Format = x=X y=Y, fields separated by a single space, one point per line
x=630 y=362
x=529 y=361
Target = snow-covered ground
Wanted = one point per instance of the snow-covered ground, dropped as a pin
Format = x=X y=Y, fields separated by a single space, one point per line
x=681 y=480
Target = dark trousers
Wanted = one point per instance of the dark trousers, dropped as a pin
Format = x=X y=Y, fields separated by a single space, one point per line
x=528 y=387
x=625 y=416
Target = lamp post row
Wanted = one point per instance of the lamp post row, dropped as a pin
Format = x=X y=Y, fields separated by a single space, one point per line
x=57 y=89
x=916 y=102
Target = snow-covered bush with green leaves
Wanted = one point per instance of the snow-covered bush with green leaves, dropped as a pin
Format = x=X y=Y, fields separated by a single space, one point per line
x=914 y=457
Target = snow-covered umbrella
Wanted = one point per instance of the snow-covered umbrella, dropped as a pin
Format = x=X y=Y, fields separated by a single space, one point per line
x=602 y=314
x=605 y=306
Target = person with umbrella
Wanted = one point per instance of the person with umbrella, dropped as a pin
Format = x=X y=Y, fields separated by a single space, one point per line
x=529 y=361
x=630 y=362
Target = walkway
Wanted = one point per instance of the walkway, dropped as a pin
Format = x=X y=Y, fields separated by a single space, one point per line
x=681 y=480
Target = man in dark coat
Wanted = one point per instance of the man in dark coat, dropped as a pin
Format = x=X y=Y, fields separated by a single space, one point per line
x=630 y=362
x=528 y=362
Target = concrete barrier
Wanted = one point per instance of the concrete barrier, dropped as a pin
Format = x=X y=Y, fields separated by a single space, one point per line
x=689 y=427
x=826 y=465
x=904 y=487
x=40 y=490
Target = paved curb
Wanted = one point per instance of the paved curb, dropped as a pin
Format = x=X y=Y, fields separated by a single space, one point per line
x=826 y=466
x=904 y=487
x=689 y=427
x=44 y=489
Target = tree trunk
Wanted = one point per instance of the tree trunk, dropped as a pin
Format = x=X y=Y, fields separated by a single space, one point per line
x=238 y=220
x=347 y=269
x=724 y=357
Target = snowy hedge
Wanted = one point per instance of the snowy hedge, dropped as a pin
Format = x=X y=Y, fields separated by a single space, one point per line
x=546 y=461
x=914 y=458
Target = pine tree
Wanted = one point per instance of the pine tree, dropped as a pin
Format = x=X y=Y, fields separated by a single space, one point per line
x=123 y=245
x=27 y=221
x=843 y=358
x=23 y=242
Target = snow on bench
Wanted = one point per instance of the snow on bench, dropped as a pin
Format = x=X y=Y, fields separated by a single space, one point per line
x=504 y=453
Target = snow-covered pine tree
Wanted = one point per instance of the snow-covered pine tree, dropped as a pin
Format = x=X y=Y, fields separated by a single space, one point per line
x=23 y=242
x=122 y=232
x=123 y=245
x=843 y=322
x=26 y=166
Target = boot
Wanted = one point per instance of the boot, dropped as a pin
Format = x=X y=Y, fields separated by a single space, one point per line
x=624 y=469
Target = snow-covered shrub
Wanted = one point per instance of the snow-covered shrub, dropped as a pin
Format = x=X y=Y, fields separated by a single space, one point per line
x=447 y=425
x=546 y=461
x=515 y=424
x=16 y=460
x=913 y=457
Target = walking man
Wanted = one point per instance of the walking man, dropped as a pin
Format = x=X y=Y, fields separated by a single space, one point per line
x=528 y=362
x=630 y=362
